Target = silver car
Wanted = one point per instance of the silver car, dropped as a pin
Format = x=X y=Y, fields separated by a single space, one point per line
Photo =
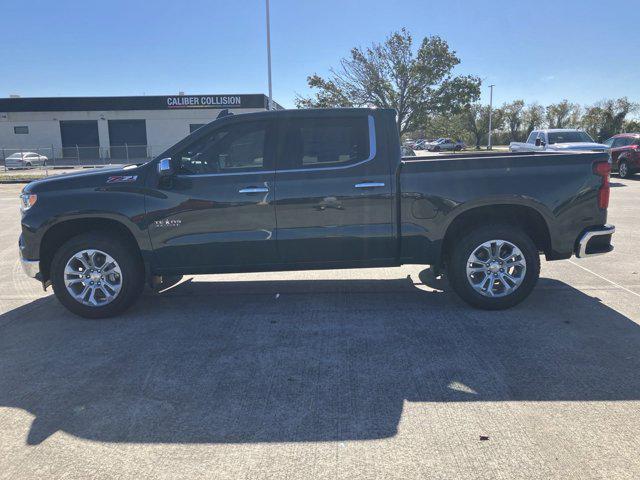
x=25 y=160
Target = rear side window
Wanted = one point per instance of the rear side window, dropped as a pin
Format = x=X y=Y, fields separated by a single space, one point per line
x=236 y=148
x=325 y=142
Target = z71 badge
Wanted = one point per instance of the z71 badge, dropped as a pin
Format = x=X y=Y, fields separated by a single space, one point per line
x=122 y=178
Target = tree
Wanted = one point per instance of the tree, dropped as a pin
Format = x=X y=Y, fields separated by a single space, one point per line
x=533 y=117
x=476 y=119
x=392 y=75
x=606 y=118
x=631 y=126
x=513 y=117
x=563 y=114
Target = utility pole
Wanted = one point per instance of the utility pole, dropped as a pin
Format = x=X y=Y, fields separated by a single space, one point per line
x=269 y=58
x=490 y=115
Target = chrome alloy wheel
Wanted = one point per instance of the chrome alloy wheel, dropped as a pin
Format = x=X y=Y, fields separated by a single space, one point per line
x=496 y=268
x=623 y=170
x=93 y=278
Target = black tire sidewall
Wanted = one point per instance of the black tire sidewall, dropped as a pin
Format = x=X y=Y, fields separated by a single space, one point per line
x=458 y=262
x=130 y=265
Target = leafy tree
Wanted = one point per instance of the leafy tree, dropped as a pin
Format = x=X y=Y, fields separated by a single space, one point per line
x=631 y=126
x=514 y=117
x=533 y=117
x=476 y=119
x=563 y=115
x=417 y=84
x=606 y=118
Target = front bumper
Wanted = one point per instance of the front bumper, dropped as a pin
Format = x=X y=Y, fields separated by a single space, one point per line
x=31 y=268
x=595 y=241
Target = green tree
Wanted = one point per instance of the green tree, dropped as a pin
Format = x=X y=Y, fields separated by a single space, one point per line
x=631 y=126
x=513 y=118
x=606 y=118
x=533 y=117
x=417 y=83
x=563 y=115
x=476 y=118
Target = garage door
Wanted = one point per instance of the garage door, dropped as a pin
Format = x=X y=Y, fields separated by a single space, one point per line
x=128 y=139
x=79 y=139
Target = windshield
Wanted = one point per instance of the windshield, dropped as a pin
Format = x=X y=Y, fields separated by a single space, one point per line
x=569 y=137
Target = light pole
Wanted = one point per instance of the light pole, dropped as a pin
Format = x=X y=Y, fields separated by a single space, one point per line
x=269 y=58
x=490 y=114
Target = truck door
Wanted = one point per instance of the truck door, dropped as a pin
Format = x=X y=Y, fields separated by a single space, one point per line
x=334 y=198
x=216 y=212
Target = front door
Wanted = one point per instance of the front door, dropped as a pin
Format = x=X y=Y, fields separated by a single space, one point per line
x=216 y=213
x=334 y=193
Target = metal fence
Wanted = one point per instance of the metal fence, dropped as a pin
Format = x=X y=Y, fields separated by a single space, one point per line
x=75 y=157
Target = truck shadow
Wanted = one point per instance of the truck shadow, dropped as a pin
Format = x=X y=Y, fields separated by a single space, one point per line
x=234 y=362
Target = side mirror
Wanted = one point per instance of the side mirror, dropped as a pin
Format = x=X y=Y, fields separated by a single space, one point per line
x=165 y=167
x=540 y=142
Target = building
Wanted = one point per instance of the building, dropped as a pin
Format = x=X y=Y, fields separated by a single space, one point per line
x=95 y=130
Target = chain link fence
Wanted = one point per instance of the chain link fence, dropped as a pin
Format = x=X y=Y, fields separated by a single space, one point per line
x=75 y=157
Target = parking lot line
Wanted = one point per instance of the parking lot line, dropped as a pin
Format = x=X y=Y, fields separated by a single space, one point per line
x=605 y=279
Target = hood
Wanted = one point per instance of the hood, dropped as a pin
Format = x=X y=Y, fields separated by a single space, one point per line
x=578 y=146
x=85 y=178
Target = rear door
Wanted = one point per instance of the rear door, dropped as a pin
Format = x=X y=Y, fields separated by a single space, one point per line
x=216 y=213
x=333 y=190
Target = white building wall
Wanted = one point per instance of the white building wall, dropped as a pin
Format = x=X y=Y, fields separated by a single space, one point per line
x=164 y=127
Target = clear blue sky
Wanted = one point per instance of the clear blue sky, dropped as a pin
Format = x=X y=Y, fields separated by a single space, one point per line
x=583 y=50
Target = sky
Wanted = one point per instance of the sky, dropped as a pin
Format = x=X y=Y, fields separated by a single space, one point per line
x=544 y=51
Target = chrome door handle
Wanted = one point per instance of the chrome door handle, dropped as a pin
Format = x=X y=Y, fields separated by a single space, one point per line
x=369 y=185
x=253 y=190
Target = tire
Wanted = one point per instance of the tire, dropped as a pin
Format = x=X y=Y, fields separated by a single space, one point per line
x=436 y=149
x=499 y=298
x=28 y=165
x=126 y=261
x=623 y=169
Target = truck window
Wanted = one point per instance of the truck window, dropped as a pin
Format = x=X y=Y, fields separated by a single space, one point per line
x=569 y=137
x=236 y=148
x=325 y=142
x=532 y=137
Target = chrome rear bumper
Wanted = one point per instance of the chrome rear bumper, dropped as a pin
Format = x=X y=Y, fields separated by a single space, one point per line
x=595 y=242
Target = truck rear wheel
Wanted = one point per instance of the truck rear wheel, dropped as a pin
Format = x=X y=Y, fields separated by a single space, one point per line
x=96 y=275
x=494 y=267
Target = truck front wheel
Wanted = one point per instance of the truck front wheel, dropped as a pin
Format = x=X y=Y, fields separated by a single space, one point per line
x=494 y=267
x=96 y=275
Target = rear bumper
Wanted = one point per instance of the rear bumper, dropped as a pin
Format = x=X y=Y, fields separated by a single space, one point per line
x=595 y=241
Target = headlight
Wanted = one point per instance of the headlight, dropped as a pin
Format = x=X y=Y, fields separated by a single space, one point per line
x=27 y=200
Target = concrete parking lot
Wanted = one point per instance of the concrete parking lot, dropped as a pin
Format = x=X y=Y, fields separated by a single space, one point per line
x=379 y=373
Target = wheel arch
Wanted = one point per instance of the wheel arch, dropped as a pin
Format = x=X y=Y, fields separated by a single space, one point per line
x=526 y=217
x=57 y=234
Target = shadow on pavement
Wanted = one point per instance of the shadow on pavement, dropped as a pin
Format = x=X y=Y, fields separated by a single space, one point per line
x=213 y=362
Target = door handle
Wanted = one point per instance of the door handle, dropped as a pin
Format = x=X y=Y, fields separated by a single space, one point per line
x=253 y=190
x=369 y=185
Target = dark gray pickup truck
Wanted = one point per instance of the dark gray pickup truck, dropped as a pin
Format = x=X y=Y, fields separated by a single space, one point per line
x=311 y=189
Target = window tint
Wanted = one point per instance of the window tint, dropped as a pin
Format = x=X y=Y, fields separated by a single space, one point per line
x=21 y=130
x=569 y=137
x=532 y=137
x=195 y=126
x=636 y=141
x=326 y=142
x=609 y=142
x=236 y=148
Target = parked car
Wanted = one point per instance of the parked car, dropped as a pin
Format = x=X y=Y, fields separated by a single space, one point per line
x=25 y=160
x=444 y=144
x=558 y=140
x=343 y=198
x=625 y=153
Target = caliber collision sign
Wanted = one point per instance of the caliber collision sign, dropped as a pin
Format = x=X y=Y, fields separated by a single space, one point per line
x=203 y=101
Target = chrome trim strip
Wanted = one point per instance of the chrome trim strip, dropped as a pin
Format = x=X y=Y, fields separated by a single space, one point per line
x=253 y=190
x=584 y=240
x=369 y=185
x=372 y=154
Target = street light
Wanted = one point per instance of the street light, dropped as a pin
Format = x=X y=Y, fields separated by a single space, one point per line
x=269 y=58
x=490 y=114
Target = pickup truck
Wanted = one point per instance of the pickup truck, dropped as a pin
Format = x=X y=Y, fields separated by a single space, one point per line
x=311 y=189
x=558 y=140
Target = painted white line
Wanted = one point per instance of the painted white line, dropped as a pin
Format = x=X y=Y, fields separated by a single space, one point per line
x=605 y=279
